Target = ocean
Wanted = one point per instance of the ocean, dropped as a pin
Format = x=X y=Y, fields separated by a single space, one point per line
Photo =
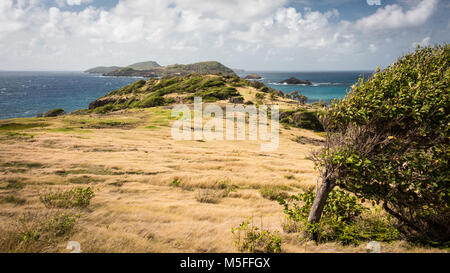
x=26 y=94
x=325 y=85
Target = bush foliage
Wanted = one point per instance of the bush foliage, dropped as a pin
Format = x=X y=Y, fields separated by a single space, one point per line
x=344 y=219
x=388 y=141
x=76 y=197
x=252 y=239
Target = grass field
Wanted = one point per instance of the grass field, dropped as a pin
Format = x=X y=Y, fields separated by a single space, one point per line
x=152 y=194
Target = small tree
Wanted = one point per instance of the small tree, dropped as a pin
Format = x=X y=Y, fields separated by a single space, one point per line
x=387 y=140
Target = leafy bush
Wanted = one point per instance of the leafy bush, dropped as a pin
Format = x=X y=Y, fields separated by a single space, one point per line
x=301 y=118
x=250 y=238
x=54 y=113
x=344 y=219
x=59 y=225
x=388 y=141
x=76 y=197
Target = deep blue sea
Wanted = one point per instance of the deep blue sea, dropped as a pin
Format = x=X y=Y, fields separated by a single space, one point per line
x=25 y=94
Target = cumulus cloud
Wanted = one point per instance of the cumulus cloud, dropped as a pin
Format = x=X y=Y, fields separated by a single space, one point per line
x=249 y=33
x=393 y=16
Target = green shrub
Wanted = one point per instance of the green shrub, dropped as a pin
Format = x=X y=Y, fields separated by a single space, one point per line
x=302 y=119
x=53 y=113
x=344 y=219
x=76 y=197
x=176 y=182
x=59 y=225
x=388 y=141
x=252 y=239
x=257 y=84
x=260 y=96
x=152 y=101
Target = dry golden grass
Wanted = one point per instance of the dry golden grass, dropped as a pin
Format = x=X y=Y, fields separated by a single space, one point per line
x=147 y=185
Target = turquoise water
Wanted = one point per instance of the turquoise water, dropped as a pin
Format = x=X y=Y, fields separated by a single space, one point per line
x=25 y=94
x=326 y=85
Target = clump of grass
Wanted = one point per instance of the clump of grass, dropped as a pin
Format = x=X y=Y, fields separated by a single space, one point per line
x=14 y=183
x=207 y=196
x=76 y=197
x=85 y=179
x=272 y=192
x=17 y=136
x=175 y=182
x=60 y=224
x=14 y=200
x=34 y=232
x=13 y=126
x=253 y=239
x=289 y=176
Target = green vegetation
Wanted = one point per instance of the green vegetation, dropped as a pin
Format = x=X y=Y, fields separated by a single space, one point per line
x=152 y=93
x=144 y=65
x=301 y=118
x=207 y=196
x=35 y=232
x=13 y=126
x=253 y=239
x=14 y=183
x=388 y=141
x=14 y=200
x=344 y=219
x=76 y=197
x=211 y=67
x=53 y=113
x=272 y=192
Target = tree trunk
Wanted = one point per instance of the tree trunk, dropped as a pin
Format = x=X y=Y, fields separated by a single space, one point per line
x=319 y=203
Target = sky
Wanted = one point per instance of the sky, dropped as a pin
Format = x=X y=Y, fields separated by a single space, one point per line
x=283 y=35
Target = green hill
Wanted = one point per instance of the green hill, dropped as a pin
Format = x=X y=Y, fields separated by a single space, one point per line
x=177 y=89
x=144 y=65
x=102 y=69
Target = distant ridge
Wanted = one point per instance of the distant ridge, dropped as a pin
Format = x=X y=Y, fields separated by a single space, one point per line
x=144 y=65
x=152 y=69
x=136 y=66
x=102 y=69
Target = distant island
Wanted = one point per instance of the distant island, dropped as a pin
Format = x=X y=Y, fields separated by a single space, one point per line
x=253 y=77
x=295 y=81
x=152 y=69
x=136 y=66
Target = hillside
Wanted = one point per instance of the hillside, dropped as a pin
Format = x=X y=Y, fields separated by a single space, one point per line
x=102 y=69
x=135 y=66
x=144 y=65
x=183 y=89
x=152 y=69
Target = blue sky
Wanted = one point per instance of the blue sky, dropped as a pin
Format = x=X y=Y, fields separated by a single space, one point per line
x=251 y=34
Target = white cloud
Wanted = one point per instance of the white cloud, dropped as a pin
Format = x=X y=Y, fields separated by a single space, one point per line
x=393 y=16
x=242 y=33
x=77 y=2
